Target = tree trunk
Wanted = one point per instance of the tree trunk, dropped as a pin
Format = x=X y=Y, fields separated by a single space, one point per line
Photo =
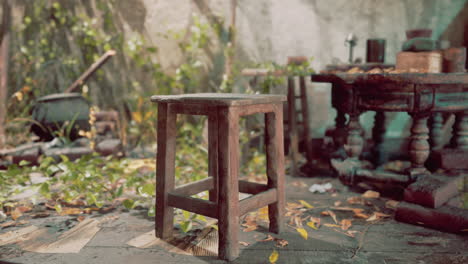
x=4 y=45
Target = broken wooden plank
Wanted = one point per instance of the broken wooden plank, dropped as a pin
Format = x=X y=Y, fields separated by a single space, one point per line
x=16 y=236
x=72 y=241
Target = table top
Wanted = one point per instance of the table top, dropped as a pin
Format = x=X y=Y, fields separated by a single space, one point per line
x=220 y=99
x=400 y=78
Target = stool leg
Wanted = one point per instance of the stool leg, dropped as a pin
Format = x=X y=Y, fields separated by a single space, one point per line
x=213 y=155
x=228 y=203
x=165 y=160
x=275 y=166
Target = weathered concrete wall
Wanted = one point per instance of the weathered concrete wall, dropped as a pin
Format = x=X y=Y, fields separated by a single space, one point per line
x=271 y=30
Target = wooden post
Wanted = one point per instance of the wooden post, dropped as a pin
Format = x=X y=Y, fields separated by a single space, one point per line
x=166 y=132
x=292 y=128
x=213 y=155
x=306 y=135
x=4 y=48
x=228 y=204
x=275 y=166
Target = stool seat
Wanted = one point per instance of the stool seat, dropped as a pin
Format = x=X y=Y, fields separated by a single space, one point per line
x=220 y=99
x=223 y=111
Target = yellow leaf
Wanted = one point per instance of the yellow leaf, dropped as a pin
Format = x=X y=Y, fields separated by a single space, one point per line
x=137 y=117
x=274 y=256
x=140 y=102
x=306 y=204
x=371 y=194
x=303 y=233
x=147 y=116
x=312 y=225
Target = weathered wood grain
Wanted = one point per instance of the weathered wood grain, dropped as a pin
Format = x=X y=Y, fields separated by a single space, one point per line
x=228 y=203
x=165 y=160
x=275 y=166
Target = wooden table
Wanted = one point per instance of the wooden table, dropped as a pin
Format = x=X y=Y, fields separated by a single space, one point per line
x=420 y=95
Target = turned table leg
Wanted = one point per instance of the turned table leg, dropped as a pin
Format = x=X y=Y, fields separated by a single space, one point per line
x=340 y=129
x=419 y=145
x=435 y=137
x=354 y=141
x=460 y=131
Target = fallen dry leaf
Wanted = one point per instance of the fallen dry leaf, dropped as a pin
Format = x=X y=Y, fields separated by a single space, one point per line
x=250 y=223
x=274 y=256
x=298 y=220
x=330 y=213
x=377 y=216
x=345 y=224
x=40 y=215
x=250 y=228
x=392 y=204
x=81 y=218
x=299 y=184
x=15 y=214
x=316 y=220
x=14 y=223
x=245 y=244
x=355 y=200
x=24 y=209
x=331 y=225
x=303 y=233
x=333 y=215
x=268 y=238
x=371 y=194
x=361 y=215
x=293 y=206
x=347 y=209
x=337 y=203
x=281 y=242
x=70 y=211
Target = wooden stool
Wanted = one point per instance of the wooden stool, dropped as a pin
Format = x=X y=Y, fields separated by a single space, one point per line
x=223 y=111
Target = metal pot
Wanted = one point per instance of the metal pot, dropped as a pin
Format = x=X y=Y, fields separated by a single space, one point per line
x=65 y=113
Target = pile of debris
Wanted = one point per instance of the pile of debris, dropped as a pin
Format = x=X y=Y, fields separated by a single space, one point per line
x=106 y=142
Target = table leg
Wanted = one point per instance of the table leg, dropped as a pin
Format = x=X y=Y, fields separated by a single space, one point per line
x=378 y=134
x=354 y=141
x=460 y=131
x=435 y=137
x=165 y=170
x=340 y=129
x=419 y=145
x=228 y=170
x=275 y=166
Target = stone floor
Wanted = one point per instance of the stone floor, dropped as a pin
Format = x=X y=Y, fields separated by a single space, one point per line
x=382 y=241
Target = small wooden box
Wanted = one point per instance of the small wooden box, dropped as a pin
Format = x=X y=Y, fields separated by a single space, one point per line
x=423 y=62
